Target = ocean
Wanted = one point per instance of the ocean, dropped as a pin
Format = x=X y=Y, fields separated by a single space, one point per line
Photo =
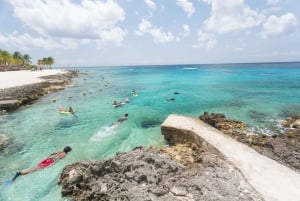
x=260 y=95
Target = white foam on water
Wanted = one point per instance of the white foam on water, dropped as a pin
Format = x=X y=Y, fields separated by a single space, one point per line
x=103 y=132
x=190 y=68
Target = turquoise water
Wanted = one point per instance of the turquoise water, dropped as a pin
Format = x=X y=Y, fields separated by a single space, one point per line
x=261 y=95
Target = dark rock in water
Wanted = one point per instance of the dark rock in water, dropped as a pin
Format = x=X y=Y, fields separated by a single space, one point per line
x=290 y=111
x=148 y=123
x=258 y=116
x=235 y=104
x=284 y=148
x=4 y=141
x=151 y=174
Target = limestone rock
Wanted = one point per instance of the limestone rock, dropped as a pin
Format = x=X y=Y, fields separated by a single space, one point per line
x=150 y=174
x=9 y=104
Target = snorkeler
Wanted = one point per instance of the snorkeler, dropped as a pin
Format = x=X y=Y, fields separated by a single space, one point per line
x=50 y=160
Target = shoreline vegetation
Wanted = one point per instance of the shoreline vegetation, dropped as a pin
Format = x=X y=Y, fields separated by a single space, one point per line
x=179 y=171
x=18 y=61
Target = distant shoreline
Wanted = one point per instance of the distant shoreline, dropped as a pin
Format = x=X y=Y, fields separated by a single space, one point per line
x=10 y=79
x=179 y=64
x=19 y=88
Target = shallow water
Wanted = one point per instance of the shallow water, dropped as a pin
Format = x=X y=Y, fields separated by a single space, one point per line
x=261 y=95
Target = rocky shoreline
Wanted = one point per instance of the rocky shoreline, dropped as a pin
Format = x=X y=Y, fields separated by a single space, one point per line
x=183 y=170
x=281 y=147
x=15 y=97
x=153 y=174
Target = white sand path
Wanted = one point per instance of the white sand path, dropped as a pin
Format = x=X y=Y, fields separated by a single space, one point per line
x=19 y=78
x=274 y=181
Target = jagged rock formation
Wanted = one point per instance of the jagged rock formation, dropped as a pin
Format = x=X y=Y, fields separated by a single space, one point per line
x=151 y=174
x=284 y=148
x=14 y=97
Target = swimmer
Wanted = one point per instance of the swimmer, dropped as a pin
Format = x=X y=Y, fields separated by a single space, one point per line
x=121 y=120
x=50 y=160
x=117 y=104
x=170 y=99
x=134 y=93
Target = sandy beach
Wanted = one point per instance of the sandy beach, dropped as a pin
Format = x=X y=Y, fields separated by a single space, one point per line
x=19 y=78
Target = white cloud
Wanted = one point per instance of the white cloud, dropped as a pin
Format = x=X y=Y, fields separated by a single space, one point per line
x=159 y=37
x=24 y=41
x=205 y=40
x=231 y=15
x=64 y=19
x=186 y=31
x=276 y=26
x=187 y=6
x=144 y=27
x=151 y=5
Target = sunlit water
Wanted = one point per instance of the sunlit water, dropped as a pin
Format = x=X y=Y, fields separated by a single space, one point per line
x=261 y=95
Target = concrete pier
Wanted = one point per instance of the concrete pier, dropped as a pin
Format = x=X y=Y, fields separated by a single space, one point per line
x=274 y=181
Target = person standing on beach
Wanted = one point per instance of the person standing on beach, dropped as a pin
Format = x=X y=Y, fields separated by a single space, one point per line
x=51 y=159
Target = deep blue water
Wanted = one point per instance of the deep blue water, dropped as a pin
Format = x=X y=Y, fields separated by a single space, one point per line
x=261 y=95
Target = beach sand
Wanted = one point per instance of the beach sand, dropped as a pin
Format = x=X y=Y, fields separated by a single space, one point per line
x=19 y=78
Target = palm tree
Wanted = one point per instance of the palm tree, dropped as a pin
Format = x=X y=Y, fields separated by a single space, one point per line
x=40 y=63
x=44 y=61
x=50 y=61
x=18 y=58
x=27 y=59
x=5 y=57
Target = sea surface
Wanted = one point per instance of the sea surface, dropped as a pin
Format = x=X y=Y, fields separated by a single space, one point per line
x=261 y=95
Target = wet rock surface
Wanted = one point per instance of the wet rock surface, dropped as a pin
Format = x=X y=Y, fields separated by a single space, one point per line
x=281 y=147
x=14 y=97
x=153 y=174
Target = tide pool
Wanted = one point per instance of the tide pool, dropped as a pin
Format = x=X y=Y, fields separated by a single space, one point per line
x=261 y=95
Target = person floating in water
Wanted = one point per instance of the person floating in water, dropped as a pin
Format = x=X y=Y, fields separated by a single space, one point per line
x=70 y=110
x=170 y=99
x=127 y=100
x=134 y=93
x=117 y=104
x=50 y=160
x=121 y=120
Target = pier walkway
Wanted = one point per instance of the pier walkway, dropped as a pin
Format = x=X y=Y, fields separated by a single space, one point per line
x=274 y=181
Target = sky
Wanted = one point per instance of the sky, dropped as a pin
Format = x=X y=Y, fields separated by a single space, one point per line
x=78 y=33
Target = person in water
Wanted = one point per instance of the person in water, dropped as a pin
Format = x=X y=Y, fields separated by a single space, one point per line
x=127 y=100
x=51 y=159
x=71 y=110
x=170 y=99
x=121 y=119
x=117 y=104
x=134 y=93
